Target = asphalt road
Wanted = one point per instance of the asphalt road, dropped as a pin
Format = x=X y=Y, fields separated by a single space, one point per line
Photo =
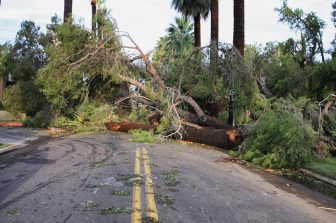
x=105 y=178
x=17 y=136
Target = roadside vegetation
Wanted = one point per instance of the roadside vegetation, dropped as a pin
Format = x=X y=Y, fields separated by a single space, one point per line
x=281 y=95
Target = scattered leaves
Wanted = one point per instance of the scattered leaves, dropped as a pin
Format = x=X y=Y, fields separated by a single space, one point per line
x=170 y=177
x=120 y=192
x=13 y=212
x=89 y=204
x=164 y=199
x=117 y=210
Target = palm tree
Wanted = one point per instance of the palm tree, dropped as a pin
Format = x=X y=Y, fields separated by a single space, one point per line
x=94 y=14
x=180 y=35
x=214 y=30
x=67 y=9
x=239 y=26
x=196 y=9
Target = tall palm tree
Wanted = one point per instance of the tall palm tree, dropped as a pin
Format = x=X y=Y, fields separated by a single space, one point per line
x=214 y=30
x=94 y=17
x=196 y=9
x=239 y=26
x=67 y=9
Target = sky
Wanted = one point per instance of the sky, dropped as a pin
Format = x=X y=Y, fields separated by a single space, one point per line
x=147 y=20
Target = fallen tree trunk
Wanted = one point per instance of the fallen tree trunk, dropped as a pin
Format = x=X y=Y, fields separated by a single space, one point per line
x=222 y=138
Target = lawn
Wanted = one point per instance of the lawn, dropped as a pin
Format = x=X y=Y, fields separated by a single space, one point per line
x=326 y=168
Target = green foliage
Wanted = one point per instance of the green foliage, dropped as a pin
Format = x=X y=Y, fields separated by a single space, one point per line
x=138 y=115
x=310 y=26
x=164 y=125
x=280 y=139
x=41 y=119
x=88 y=118
x=27 y=55
x=177 y=42
x=24 y=97
x=138 y=135
x=64 y=89
x=192 y=8
x=322 y=80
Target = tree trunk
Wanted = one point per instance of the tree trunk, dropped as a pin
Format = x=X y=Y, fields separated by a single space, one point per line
x=214 y=31
x=239 y=26
x=2 y=87
x=67 y=9
x=94 y=14
x=197 y=30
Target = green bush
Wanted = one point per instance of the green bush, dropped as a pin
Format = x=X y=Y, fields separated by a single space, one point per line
x=42 y=119
x=138 y=135
x=24 y=97
x=280 y=139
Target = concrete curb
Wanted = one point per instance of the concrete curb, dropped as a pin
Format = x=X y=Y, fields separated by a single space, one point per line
x=11 y=147
x=318 y=176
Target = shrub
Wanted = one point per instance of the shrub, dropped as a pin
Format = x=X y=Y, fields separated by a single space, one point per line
x=42 y=119
x=24 y=97
x=280 y=139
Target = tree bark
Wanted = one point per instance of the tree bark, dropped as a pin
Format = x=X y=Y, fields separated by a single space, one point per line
x=67 y=10
x=239 y=26
x=214 y=30
x=197 y=31
x=94 y=14
x=2 y=87
x=263 y=88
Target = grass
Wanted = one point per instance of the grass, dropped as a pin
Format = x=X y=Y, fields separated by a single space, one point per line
x=326 y=167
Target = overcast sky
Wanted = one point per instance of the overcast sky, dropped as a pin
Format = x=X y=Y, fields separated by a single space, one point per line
x=147 y=20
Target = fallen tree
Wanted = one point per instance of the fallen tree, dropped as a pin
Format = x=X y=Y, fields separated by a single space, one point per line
x=165 y=100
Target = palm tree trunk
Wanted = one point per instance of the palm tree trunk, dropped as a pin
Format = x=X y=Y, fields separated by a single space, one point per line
x=214 y=30
x=197 y=30
x=94 y=14
x=67 y=9
x=2 y=87
x=239 y=26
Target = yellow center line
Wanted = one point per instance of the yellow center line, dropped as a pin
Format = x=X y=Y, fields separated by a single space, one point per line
x=151 y=206
x=136 y=215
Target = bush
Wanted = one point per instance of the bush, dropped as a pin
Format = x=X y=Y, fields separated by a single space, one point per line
x=24 y=97
x=280 y=139
x=42 y=119
x=138 y=135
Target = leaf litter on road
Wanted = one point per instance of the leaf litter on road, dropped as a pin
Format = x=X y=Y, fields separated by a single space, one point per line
x=170 y=177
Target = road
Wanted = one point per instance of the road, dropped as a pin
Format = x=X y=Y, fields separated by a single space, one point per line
x=105 y=178
x=18 y=136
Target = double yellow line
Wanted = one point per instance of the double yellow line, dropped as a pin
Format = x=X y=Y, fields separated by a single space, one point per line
x=149 y=189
